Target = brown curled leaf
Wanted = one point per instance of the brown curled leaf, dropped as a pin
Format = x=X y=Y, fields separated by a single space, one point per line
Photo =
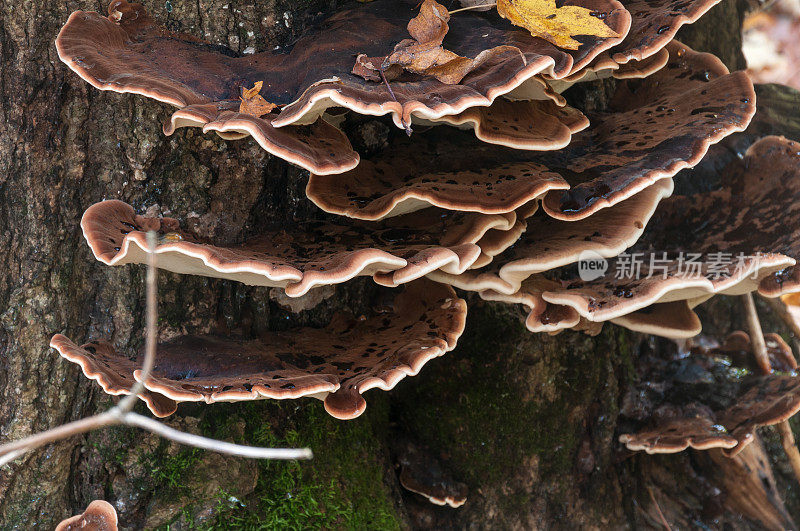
x=253 y=103
x=424 y=53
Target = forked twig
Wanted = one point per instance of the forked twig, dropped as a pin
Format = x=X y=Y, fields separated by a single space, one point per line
x=762 y=358
x=122 y=414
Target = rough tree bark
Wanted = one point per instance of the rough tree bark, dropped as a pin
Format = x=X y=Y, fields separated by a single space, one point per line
x=528 y=422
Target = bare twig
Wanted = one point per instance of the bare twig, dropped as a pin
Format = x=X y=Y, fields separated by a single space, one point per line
x=470 y=8
x=122 y=414
x=756 y=335
x=391 y=93
x=151 y=320
x=762 y=358
x=779 y=307
x=658 y=509
x=789 y=446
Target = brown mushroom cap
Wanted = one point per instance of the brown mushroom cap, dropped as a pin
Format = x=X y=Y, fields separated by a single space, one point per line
x=780 y=356
x=674 y=320
x=671 y=319
x=548 y=243
x=129 y=52
x=603 y=67
x=752 y=217
x=431 y=169
x=658 y=126
x=305 y=255
x=654 y=129
x=336 y=363
x=540 y=125
x=773 y=399
x=654 y=24
x=422 y=474
x=678 y=429
x=765 y=401
x=542 y=316
x=111 y=53
x=644 y=68
x=114 y=373
x=642 y=52
x=318 y=147
x=98 y=516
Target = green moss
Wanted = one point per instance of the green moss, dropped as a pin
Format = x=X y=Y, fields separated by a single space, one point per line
x=506 y=395
x=170 y=472
x=342 y=487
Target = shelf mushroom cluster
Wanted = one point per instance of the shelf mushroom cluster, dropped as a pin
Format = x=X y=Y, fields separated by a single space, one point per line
x=705 y=401
x=502 y=192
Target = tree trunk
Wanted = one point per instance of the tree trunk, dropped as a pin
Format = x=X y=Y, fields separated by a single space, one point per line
x=528 y=422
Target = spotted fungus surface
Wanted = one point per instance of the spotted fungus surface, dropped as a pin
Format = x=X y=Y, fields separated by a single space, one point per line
x=128 y=51
x=548 y=243
x=670 y=319
x=540 y=125
x=654 y=25
x=98 y=516
x=737 y=239
x=305 y=254
x=733 y=240
x=336 y=363
x=707 y=400
x=655 y=128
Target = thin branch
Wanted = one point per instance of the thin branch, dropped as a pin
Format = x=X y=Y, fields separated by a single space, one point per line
x=470 y=8
x=391 y=93
x=121 y=413
x=134 y=419
x=762 y=358
x=151 y=321
x=19 y=447
x=756 y=335
x=789 y=446
x=658 y=509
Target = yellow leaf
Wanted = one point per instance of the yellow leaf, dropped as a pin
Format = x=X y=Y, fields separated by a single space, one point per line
x=254 y=103
x=554 y=24
x=792 y=299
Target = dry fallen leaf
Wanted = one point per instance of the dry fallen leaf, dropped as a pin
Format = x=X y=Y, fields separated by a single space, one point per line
x=254 y=103
x=424 y=54
x=557 y=25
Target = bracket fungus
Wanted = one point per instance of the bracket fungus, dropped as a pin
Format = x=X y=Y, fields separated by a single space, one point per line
x=421 y=473
x=669 y=319
x=306 y=254
x=129 y=52
x=656 y=127
x=750 y=220
x=654 y=25
x=691 y=415
x=98 y=516
x=737 y=239
x=539 y=125
x=548 y=243
x=337 y=363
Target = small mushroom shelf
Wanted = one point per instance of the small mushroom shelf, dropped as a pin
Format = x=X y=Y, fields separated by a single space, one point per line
x=543 y=184
x=714 y=398
x=336 y=363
